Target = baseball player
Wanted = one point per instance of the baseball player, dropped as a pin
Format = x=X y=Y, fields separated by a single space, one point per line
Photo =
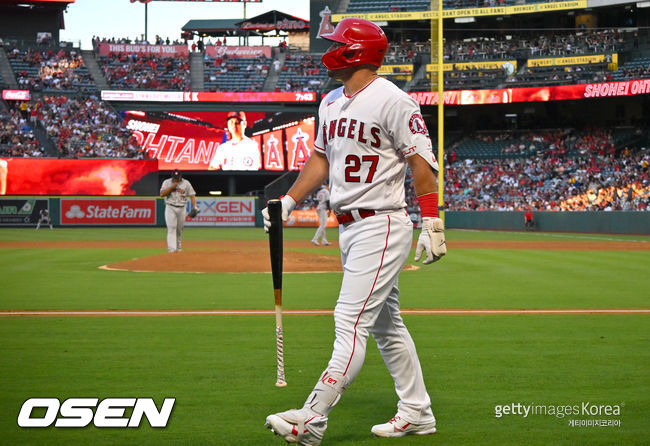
x=239 y=152
x=176 y=191
x=370 y=131
x=44 y=217
x=323 y=209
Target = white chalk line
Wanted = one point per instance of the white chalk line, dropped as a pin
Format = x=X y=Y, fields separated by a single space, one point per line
x=155 y=313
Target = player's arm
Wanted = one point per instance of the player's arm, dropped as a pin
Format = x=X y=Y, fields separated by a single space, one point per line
x=425 y=179
x=432 y=238
x=169 y=190
x=312 y=175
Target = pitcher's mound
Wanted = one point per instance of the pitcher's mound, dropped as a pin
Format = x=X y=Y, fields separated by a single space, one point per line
x=232 y=257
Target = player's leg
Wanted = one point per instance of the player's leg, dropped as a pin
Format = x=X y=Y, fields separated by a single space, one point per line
x=320 y=232
x=170 y=221
x=180 y=224
x=322 y=215
x=372 y=254
x=414 y=414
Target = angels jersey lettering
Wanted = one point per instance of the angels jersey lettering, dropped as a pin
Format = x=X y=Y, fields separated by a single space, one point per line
x=366 y=139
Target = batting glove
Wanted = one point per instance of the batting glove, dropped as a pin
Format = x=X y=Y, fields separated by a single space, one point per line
x=431 y=240
x=288 y=203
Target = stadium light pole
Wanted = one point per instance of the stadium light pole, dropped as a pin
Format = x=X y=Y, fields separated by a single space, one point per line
x=437 y=84
x=146 y=21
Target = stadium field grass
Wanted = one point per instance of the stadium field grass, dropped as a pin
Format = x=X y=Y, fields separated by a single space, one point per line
x=221 y=369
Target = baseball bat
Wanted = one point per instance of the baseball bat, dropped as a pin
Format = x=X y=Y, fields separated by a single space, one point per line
x=275 y=248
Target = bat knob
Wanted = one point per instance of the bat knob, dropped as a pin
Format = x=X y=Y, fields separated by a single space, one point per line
x=281 y=384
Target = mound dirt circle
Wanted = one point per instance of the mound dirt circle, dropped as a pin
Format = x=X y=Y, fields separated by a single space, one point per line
x=229 y=261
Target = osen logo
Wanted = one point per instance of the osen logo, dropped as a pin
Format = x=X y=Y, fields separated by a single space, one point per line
x=80 y=412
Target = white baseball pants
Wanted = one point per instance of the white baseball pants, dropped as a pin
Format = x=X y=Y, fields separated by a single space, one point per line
x=322 y=225
x=373 y=253
x=175 y=221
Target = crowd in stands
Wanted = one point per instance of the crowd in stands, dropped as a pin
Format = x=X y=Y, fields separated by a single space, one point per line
x=135 y=71
x=567 y=171
x=17 y=139
x=223 y=73
x=141 y=41
x=301 y=72
x=50 y=69
x=638 y=72
x=86 y=128
x=553 y=44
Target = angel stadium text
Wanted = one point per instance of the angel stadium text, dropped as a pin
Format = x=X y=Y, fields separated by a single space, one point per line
x=80 y=412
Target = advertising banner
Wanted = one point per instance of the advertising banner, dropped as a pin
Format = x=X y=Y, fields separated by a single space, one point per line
x=308 y=218
x=248 y=52
x=486 y=65
x=209 y=96
x=109 y=49
x=466 y=12
x=320 y=16
x=108 y=211
x=396 y=69
x=91 y=176
x=535 y=94
x=273 y=151
x=300 y=144
x=16 y=95
x=21 y=211
x=227 y=211
x=575 y=60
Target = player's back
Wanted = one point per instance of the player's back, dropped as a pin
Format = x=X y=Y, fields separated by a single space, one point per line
x=365 y=137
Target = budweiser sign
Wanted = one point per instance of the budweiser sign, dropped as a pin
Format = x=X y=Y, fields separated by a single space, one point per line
x=15 y=95
x=108 y=212
x=238 y=51
x=284 y=24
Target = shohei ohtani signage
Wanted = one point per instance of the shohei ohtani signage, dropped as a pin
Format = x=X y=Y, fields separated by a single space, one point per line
x=90 y=211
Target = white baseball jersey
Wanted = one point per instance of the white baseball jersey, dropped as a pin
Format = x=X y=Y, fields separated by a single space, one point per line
x=366 y=138
x=242 y=155
x=178 y=197
x=323 y=197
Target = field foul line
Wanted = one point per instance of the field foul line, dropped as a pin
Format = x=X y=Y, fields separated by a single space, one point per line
x=108 y=313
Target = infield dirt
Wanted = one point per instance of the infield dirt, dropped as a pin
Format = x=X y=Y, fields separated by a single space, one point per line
x=221 y=256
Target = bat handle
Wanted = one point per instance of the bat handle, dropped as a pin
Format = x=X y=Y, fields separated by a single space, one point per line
x=281 y=381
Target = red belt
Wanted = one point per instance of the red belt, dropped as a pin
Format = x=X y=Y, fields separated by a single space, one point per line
x=347 y=217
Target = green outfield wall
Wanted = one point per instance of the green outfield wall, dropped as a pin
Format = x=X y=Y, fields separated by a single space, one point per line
x=246 y=211
x=615 y=222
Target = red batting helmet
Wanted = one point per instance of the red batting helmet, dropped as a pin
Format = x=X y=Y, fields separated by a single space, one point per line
x=364 y=43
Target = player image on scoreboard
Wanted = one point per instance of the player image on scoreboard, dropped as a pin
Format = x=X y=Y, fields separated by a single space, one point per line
x=239 y=152
x=222 y=141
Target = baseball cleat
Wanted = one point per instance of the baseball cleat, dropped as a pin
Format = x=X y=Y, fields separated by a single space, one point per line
x=326 y=243
x=398 y=427
x=315 y=242
x=292 y=427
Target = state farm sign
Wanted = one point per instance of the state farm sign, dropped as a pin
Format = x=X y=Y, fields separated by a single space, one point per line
x=108 y=211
